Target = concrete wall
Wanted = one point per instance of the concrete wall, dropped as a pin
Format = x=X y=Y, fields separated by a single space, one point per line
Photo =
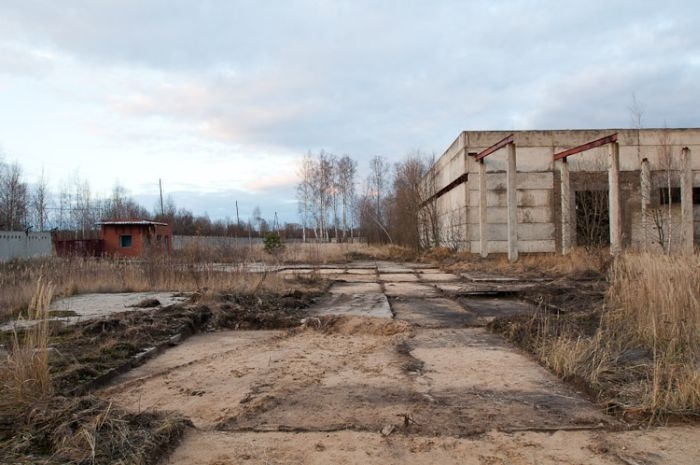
x=538 y=185
x=20 y=245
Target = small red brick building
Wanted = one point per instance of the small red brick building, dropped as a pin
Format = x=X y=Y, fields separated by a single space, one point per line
x=135 y=238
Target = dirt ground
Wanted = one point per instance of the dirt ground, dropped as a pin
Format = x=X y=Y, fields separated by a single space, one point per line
x=393 y=366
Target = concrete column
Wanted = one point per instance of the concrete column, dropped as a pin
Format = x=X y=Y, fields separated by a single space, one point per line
x=645 y=188
x=687 y=226
x=483 y=227
x=512 y=204
x=565 y=207
x=614 y=198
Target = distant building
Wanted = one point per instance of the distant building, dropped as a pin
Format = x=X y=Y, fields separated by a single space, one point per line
x=135 y=238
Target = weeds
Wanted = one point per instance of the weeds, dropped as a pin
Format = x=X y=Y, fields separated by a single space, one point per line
x=25 y=375
x=644 y=357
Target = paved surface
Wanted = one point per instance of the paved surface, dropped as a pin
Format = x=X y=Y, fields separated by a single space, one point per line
x=407 y=374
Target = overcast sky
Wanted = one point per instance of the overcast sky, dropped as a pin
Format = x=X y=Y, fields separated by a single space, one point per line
x=221 y=98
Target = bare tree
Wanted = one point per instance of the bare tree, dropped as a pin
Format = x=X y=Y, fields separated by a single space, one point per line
x=407 y=200
x=663 y=220
x=374 y=209
x=13 y=198
x=346 y=168
x=40 y=202
x=305 y=191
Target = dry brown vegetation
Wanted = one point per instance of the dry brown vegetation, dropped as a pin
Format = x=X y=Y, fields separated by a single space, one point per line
x=581 y=262
x=639 y=351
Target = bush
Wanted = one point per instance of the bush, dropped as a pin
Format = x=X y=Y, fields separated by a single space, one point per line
x=273 y=243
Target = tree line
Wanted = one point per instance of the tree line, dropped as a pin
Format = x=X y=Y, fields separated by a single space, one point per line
x=75 y=209
x=394 y=205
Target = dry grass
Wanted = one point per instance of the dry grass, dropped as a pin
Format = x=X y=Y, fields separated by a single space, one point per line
x=644 y=358
x=580 y=261
x=82 y=276
x=654 y=304
x=24 y=377
x=87 y=430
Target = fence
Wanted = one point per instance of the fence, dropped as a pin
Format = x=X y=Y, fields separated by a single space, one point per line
x=21 y=245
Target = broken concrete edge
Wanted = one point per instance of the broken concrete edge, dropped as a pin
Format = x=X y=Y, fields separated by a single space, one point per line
x=137 y=360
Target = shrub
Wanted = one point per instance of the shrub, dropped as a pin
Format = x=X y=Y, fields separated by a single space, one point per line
x=273 y=243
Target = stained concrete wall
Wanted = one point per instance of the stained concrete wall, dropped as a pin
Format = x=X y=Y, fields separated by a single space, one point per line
x=538 y=185
x=21 y=245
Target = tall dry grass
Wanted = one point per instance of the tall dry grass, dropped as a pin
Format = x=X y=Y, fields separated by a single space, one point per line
x=24 y=376
x=654 y=304
x=580 y=261
x=645 y=355
x=82 y=276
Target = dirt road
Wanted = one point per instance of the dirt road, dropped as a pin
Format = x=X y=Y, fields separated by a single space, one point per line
x=405 y=374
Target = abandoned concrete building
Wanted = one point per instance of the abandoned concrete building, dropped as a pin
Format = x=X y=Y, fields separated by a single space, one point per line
x=547 y=191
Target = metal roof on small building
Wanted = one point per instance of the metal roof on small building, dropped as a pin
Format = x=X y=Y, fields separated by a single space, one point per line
x=130 y=223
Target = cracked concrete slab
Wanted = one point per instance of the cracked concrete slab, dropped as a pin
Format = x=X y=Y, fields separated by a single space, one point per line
x=371 y=305
x=356 y=278
x=438 y=277
x=355 y=288
x=434 y=313
x=398 y=277
x=490 y=308
x=410 y=290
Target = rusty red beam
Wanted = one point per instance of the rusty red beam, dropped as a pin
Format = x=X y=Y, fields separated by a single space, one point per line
x=591 y=145
x=498 y=145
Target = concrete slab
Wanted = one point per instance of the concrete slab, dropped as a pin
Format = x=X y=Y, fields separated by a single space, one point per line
x=356 y=278
x=91 y=306
x=490 y=308
x=483 y=288
x=372 y=305
x=410 y=290
x=355 y=288
x=362 y=264
x=490 y=380
x=331 y=271
x=428 y=270
x=439 y=277
x=362 y=271
x=434 y=313
x=398 y=277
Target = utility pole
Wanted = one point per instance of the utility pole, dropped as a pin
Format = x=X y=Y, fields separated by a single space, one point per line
x=238 y=222
x=160 y=188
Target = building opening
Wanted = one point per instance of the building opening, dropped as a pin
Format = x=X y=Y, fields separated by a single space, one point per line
x=592 y=218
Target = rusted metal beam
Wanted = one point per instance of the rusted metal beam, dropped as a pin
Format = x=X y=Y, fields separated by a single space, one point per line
x=498 y=145
x=463 y=178
x=591 y=145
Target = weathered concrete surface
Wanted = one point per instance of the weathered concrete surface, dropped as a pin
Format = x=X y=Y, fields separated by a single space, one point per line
x=433 y=313
x=355 y=288
x=398 y=277
x=370 y=304
x=92 y=306
x=410 y=290
x=438 y=277
x=489 y=308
